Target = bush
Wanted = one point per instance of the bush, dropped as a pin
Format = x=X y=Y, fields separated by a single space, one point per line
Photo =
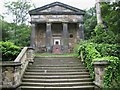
x=108 y=50
x=92 y=51
x=89 y=53
x=103 y=36
x=9 y=51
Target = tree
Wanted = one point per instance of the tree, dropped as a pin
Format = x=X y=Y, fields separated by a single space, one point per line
x=90 y=22
x=111 y=15
x=22 y=37
x=19 y=9
x=17 y=32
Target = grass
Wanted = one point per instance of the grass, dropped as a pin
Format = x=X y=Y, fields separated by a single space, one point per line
x=56 y=55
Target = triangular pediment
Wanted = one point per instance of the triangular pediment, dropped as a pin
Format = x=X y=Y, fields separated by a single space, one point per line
x=56 y=8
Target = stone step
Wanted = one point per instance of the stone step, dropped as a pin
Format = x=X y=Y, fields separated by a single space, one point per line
x=57 y=84
x=60 y=60
x=88 y=87
x=56 y=58
x=57 y=80
x=53 y=71
x=56 y=76
x=55 y=63
x=56 y=73
x=55 y=67
x=59 y=65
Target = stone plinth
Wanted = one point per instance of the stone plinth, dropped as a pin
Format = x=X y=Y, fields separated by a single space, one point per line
x=10 y=74
x=99 y=68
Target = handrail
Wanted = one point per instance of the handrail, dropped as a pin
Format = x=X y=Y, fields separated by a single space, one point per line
x=25 y=56
x=19 y=57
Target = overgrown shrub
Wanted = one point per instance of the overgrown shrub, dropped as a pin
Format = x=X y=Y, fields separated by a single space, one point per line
x=92 y=51
x=102 y=35
x=89 y=53
x=108 y=50
x=9 y=51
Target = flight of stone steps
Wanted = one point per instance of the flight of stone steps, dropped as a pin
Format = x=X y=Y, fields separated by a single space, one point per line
x=57 y=73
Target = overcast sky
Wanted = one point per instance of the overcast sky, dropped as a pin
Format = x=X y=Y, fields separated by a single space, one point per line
x=81 y=4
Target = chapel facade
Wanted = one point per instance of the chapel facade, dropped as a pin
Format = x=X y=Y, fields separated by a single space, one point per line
x=56 y=28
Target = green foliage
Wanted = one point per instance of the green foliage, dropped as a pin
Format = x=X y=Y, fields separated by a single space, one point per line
x=89 y=53
x=90 y=22
x=18 y=34
x=19 y=9
x=9 y=51
x=56 y=55
x=109 y=52
x=111 y=15
x=103 y=36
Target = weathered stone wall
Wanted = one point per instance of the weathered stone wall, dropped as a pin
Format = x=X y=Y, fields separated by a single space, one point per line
x=40 y=36
x=11 y=74
x=72 y=29
x=57 y=32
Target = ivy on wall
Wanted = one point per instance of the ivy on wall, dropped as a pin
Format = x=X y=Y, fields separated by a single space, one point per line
x=93 y=51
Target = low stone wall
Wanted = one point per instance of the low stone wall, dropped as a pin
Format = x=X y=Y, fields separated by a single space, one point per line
x=10 y=74
x=13 y=71
x=99 y=69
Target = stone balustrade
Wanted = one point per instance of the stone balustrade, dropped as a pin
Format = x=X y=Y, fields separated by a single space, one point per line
x=10 y=74
x=12 y=71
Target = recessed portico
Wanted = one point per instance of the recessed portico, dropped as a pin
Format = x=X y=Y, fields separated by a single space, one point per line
x=61 y=28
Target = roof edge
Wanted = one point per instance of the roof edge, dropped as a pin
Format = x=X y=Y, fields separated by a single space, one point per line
x=33 y=11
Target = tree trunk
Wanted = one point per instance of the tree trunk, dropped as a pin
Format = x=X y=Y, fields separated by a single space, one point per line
x=98 y=12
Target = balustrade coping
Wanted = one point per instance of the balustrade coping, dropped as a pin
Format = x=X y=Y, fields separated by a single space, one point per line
x=101 y=62
x=9 y=63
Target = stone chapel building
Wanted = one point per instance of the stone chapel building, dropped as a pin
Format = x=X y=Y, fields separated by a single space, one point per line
x=56 y=28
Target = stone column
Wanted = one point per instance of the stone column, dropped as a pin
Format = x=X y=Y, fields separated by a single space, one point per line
x=32 y=39
x=48 y=37
x=80 y=32
x=65 y=37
